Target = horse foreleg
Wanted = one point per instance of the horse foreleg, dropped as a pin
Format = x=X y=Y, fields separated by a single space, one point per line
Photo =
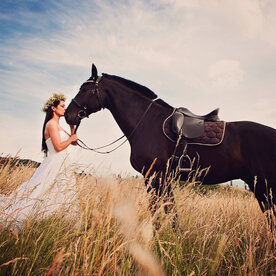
x=170 y=206
x=162 y=196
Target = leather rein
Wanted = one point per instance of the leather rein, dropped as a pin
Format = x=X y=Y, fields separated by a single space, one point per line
x=83 y=113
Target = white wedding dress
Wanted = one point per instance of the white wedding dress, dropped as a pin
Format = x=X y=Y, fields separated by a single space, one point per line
x=51 y=187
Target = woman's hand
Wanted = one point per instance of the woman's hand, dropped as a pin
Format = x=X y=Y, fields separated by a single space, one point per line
x=73 y=138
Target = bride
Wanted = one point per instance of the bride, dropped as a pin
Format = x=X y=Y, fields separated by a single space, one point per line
x=53 y=184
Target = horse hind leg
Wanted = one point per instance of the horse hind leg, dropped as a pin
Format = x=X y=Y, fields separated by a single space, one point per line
x=267 y=204
x=266 y=197
x=271 y=199
x=265 y=194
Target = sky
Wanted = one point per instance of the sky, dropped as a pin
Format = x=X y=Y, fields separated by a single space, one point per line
x=192 y=53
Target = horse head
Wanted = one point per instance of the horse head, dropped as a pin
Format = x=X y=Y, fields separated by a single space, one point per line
x=87 y=101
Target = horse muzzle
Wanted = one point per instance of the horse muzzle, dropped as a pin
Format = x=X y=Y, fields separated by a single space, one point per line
x=71 y=120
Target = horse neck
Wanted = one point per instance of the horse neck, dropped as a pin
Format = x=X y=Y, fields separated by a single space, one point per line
x=127 y=107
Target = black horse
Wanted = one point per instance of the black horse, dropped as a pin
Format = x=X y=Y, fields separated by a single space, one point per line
x=247 y=151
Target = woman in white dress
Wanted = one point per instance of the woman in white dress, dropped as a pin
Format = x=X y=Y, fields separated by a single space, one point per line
x=53 y=183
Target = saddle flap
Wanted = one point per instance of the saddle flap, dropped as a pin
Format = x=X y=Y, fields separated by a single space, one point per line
x=192 y=127
x=187 y=126
x=177 y=123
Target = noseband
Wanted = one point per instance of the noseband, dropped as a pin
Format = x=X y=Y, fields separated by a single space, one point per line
x=83 y=108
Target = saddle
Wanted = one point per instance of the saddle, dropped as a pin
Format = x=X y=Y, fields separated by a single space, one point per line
x=187 y=124
x=185 y=127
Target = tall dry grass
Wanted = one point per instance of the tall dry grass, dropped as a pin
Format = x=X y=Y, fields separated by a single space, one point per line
x=221 y=232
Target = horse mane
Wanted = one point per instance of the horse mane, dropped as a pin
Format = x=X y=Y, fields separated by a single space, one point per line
x=138 y=88
x=163 y=103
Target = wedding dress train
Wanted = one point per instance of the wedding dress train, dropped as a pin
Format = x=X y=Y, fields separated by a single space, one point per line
x=52 y=186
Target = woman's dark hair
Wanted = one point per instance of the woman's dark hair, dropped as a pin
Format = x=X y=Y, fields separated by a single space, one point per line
x=48 y=117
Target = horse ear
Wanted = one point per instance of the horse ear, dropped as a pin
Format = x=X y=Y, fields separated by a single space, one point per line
x=94 y=72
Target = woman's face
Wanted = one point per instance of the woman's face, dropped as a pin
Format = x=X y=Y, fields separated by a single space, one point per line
x=60 y=109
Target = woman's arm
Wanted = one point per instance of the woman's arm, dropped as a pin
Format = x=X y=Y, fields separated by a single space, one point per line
x=53 y=131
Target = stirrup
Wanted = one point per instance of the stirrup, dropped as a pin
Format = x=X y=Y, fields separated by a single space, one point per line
x=186 y=169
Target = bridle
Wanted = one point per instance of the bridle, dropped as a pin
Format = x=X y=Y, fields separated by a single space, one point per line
x=83 y=113
x=83 y=109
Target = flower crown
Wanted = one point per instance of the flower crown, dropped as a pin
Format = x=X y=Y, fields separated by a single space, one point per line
x=50 y=102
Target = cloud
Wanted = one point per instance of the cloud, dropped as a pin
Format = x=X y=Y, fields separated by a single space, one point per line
x=256 y=19
x=226 y=73
x=19 y=135
x=253 y=18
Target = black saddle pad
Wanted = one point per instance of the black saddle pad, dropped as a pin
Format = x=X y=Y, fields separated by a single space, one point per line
x=213 y=133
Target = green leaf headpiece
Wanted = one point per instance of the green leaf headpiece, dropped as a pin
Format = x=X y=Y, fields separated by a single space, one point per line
x=50 y=102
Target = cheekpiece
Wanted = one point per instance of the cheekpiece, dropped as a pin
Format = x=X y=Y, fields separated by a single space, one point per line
x=50 y=102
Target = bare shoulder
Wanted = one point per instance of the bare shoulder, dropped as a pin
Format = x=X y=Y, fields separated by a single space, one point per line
x=51 y=125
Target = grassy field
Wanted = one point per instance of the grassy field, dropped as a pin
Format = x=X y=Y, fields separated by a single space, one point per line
x=219 y=232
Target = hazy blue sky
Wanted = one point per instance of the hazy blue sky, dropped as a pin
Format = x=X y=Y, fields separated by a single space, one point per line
x=195 y=53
